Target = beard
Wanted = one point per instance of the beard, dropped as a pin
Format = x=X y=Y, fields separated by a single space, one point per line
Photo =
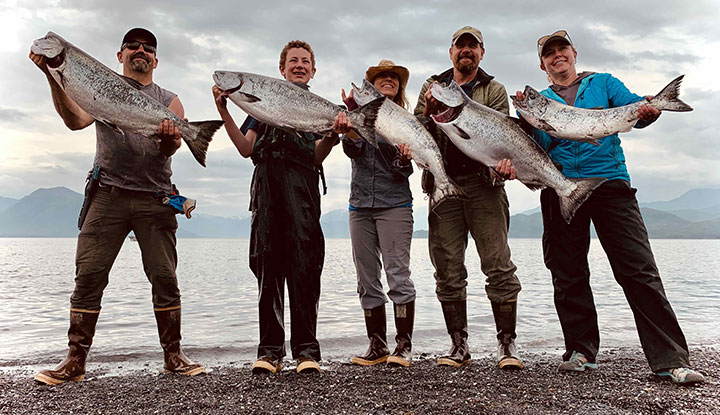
x=141 y=65
x=465 y=68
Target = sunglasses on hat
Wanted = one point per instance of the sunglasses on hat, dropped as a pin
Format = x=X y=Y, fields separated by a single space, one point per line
x=559 y=34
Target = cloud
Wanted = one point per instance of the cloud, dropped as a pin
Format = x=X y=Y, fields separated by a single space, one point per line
x=11 y=115
x=645 y=44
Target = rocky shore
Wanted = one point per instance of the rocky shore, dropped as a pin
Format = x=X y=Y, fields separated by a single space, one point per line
x=623 y=384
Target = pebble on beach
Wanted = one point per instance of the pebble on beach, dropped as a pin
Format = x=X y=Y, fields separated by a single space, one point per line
x=623 y=384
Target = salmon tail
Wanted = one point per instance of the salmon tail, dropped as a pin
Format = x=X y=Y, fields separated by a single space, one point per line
x=442 y=193
x=199 y=145
x=363 y=120
x=667 y=99
x=571 y=203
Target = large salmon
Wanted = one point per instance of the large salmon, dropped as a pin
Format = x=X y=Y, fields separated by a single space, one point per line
x=587 y=125
x=489 y=136
x=110 y=99
x=398 y=126
x=288 y=105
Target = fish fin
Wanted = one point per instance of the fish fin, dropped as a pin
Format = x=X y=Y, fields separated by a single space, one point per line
x=248 y=97
x=523 y=124
x=198 y=145
x=545 y=126
x=594 y=141
x=461 y=133
x=571 y=203
x=111 y=125
x=667 y=99
x=534 y=186
x=363 y=120
x=442 y=193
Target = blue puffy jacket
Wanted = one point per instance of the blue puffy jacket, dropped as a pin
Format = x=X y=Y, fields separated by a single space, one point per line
x=599 y=90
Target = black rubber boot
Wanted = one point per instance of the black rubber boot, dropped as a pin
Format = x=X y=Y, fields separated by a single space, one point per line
x=80 y=336
x=376 y=328
x=404 y=321
x=455 y=313
x=505 y=317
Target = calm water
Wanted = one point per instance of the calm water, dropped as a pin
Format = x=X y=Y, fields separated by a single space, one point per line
x=220 y=294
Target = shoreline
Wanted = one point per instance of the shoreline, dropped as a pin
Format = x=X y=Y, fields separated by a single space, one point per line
x=623 y=384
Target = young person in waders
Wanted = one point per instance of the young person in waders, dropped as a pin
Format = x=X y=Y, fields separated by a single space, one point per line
x=286 y=241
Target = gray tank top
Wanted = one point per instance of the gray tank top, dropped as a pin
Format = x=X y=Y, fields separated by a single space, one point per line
x=132 y=161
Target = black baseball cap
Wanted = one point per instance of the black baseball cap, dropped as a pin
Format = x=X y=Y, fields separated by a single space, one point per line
x=139 y=32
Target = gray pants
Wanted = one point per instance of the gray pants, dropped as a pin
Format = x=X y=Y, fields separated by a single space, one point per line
x=485 y=215
x=386 y=234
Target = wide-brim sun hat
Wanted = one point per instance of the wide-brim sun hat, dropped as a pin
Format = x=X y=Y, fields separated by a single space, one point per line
x=386 y=65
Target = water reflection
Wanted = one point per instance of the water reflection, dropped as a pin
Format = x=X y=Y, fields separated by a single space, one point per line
x=220 y=296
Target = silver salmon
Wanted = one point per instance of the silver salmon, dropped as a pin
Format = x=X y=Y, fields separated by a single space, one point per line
x=588 y=125
x=289 y=106
x=398 y=126
x=110 y=99
x=489 y=136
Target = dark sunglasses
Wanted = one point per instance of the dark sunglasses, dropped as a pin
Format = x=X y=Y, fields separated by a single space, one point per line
x=136 y=46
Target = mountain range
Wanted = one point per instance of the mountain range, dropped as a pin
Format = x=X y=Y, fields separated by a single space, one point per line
x=53 y=212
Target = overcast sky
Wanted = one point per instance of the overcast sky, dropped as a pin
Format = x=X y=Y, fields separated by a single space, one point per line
x=643 y=43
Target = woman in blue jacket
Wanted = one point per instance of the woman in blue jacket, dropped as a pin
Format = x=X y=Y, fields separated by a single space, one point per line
x=614 y=211
x=381 y=226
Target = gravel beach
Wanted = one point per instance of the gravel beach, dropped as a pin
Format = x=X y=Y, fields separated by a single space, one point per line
x=623 y=384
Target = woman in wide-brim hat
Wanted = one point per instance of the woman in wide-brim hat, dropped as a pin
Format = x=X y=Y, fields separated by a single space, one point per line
x=381 y=226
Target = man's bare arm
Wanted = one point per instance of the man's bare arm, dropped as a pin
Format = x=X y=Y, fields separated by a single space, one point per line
x=75 y=118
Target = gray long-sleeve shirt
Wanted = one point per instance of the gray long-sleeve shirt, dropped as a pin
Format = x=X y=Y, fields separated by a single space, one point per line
x=377 y=179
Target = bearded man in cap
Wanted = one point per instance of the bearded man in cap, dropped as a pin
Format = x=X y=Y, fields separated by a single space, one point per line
x=485 y=214
x=133 y=176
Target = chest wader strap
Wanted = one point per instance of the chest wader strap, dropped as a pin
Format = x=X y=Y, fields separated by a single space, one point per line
x=321 y=172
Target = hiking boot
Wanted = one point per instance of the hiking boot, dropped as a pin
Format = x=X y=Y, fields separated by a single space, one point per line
x=577 y=363
x=455 y=313
x=404 y=320
x=266 y=364
x=507 y=355
x=682 y=375
x=168 y=323
x=505 y=318
x=80 y=336
x=376 y=329
x=307 y=365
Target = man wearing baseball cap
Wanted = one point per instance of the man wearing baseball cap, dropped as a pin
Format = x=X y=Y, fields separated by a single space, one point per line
x=485 y=214
x=132 y=173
